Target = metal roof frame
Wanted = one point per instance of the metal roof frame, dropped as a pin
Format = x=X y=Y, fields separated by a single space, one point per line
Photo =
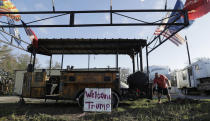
x=111 y=23
x=150 y=46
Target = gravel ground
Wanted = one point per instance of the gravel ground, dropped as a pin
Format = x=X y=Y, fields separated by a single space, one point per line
x=9 y=99
x=15 y=99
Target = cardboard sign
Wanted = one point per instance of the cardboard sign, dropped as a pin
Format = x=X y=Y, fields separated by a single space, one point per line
x=97 y=99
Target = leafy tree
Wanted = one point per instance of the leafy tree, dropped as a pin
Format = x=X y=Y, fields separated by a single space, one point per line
x=4 y=51
x=23 y=60
x=10 y=62
x=7 y=60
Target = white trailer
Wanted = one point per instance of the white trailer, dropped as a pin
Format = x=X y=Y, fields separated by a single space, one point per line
x=195 y=76
x=165 y=70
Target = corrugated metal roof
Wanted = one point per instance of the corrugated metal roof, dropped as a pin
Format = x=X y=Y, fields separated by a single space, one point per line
x=89 y=46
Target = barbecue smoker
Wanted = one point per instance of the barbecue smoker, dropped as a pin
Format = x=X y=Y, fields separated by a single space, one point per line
x=70 y=83
x=139 y=87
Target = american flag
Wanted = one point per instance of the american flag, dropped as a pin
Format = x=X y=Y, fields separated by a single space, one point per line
x=14 y=31
x=176 y=39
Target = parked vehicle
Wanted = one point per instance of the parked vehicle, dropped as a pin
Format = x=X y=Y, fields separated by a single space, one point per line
x=165 y=70
x=195 y=76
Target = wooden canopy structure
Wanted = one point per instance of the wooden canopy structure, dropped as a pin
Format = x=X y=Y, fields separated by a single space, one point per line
x=89 y=46
x=129 y=47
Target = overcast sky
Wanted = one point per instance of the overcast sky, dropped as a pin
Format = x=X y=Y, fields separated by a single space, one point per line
x=167 y=55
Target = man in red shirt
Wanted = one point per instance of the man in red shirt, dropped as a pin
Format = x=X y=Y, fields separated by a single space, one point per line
x=163 y=85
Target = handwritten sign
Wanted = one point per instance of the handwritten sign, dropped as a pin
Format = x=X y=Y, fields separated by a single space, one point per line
x=97 y=99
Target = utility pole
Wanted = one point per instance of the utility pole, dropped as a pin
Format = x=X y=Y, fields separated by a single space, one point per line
x=188 y=52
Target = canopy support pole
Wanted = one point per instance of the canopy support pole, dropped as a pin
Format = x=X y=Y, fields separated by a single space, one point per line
x=62 y=62
x=34 y=61
x=133 y=61
x=50 y=65
x=137 y=61
x=141 y=59
x=117 y=59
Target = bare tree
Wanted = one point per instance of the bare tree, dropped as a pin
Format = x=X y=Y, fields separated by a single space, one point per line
x=55 y=65
x=124 y=73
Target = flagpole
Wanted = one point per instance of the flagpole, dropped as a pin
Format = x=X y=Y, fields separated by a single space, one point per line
x=110 y=12
x=53 y=3
x=166 y=5
x=188 y=52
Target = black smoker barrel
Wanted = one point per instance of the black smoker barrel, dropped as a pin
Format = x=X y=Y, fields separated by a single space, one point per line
x=137 y=80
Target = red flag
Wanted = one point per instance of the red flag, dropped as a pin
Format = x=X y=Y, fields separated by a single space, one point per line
x=31 y=35
x=197 y=8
